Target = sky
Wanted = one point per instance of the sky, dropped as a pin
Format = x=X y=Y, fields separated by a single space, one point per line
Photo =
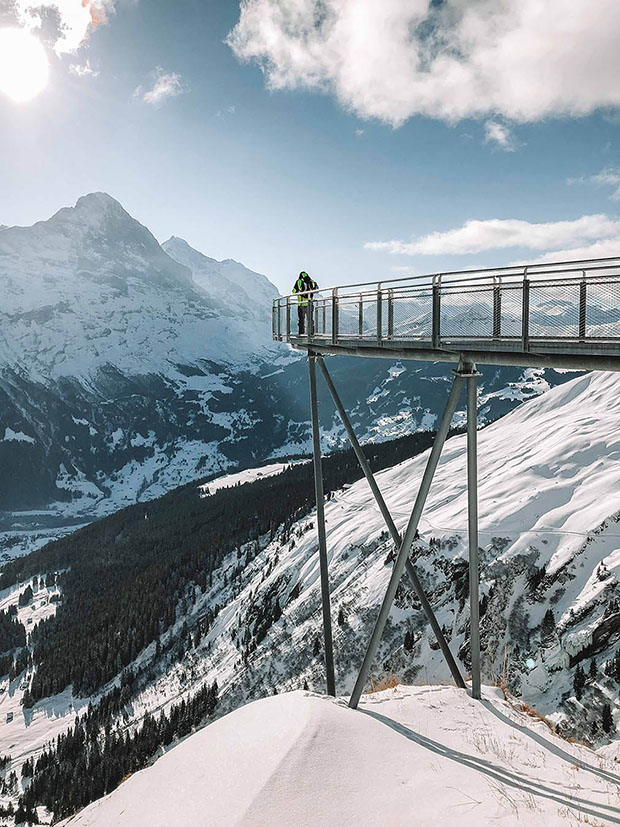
x=355 y=139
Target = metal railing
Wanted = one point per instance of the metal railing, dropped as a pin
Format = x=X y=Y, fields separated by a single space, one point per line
x=574 y=302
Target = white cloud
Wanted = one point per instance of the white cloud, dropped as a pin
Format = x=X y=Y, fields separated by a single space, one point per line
x=73 y=19
x=519 y=59
x=83 y=70
x=499 y=134
x=166 y=85
x=608 y=177
x=498 y=234
x=607 y=248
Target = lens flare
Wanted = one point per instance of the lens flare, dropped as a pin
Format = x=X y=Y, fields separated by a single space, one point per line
x=24 y=68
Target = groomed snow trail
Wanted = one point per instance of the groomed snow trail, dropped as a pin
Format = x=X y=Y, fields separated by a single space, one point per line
x=423 y=756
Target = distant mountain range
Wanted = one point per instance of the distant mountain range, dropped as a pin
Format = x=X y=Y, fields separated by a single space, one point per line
x=128 y=367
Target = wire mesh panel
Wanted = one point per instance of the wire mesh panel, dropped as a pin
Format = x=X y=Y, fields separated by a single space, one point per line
x=510 y=311
x=348 y=316
x=554 y=309
x=282 y=320
x=412 y=312
x=321 y=316
x=467 y=312
x=369 y=316
x=602 y=308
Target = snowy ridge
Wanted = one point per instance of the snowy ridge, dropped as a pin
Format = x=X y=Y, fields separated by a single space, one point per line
x=423 y=756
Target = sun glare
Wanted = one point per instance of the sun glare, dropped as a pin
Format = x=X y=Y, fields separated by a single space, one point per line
x=24 y=69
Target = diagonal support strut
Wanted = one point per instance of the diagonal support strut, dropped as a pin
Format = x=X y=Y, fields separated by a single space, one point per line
x=320 y=520
x=430 y=615
x=405 y=547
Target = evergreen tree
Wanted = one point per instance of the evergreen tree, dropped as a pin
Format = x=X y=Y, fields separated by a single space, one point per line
x=26 y=596
x=548 y=626
x=579 y=681
x=593 y=671
x=316 y=651
x=341 y=617
x=607 y=721
x=409 y=641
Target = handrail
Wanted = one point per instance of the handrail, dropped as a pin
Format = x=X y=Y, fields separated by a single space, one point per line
x=519 y=270
x=564 y=306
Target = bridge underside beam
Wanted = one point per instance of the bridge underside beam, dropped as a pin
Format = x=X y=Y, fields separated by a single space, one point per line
x=484 y=357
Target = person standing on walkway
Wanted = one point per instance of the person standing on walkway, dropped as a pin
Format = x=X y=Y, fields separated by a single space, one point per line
x=303 y=286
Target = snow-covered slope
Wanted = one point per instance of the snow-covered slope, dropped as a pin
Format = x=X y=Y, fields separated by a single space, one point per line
x=426 y=756
x=549 y=474
x=233 y=289
x=99 y=290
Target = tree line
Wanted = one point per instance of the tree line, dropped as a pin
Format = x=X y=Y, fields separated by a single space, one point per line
x=123 y=577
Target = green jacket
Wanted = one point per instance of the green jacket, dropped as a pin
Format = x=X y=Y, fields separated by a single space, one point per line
x=301 y=286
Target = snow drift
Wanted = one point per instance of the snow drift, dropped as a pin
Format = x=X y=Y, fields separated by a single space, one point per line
x=423 y=756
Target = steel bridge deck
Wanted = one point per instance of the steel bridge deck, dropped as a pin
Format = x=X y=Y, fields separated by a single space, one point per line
x=565 y=315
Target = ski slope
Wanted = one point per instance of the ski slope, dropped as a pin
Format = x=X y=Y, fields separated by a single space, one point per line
x=423 y=756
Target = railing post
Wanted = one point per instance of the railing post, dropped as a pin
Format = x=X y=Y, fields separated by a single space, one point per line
x=324 y=315
x=288 y=317
x=436 y=321
x=360 y=318
x=334 y=315
x=379 y=313
x=497 y=310
x=582 y=307
x=390 y=324
x=525 y=313
x=279 y=332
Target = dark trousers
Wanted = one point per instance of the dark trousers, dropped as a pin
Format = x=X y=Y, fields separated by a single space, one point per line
x=301 y=318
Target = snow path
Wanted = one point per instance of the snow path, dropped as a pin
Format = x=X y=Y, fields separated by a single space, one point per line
x=421 y=756
x=247 y=475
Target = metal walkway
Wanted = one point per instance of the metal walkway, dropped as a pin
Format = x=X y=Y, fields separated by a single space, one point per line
x=565 y=315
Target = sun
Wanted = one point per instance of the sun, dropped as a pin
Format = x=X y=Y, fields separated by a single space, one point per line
x=24 y=69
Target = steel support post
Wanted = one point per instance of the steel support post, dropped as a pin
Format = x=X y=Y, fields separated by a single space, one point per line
x=320 y=519
x=472 y=518
x=359 y=453
x=410 y=533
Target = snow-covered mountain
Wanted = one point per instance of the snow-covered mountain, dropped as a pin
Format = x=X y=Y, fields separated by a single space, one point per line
x=408 y=756
x=233 y=290
x=122 y=376
x=92 y=287
x=549 y=473
x=128 y=368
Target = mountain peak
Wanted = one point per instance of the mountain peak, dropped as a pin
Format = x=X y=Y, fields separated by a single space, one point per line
x=98 y=201
x=92 y=210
